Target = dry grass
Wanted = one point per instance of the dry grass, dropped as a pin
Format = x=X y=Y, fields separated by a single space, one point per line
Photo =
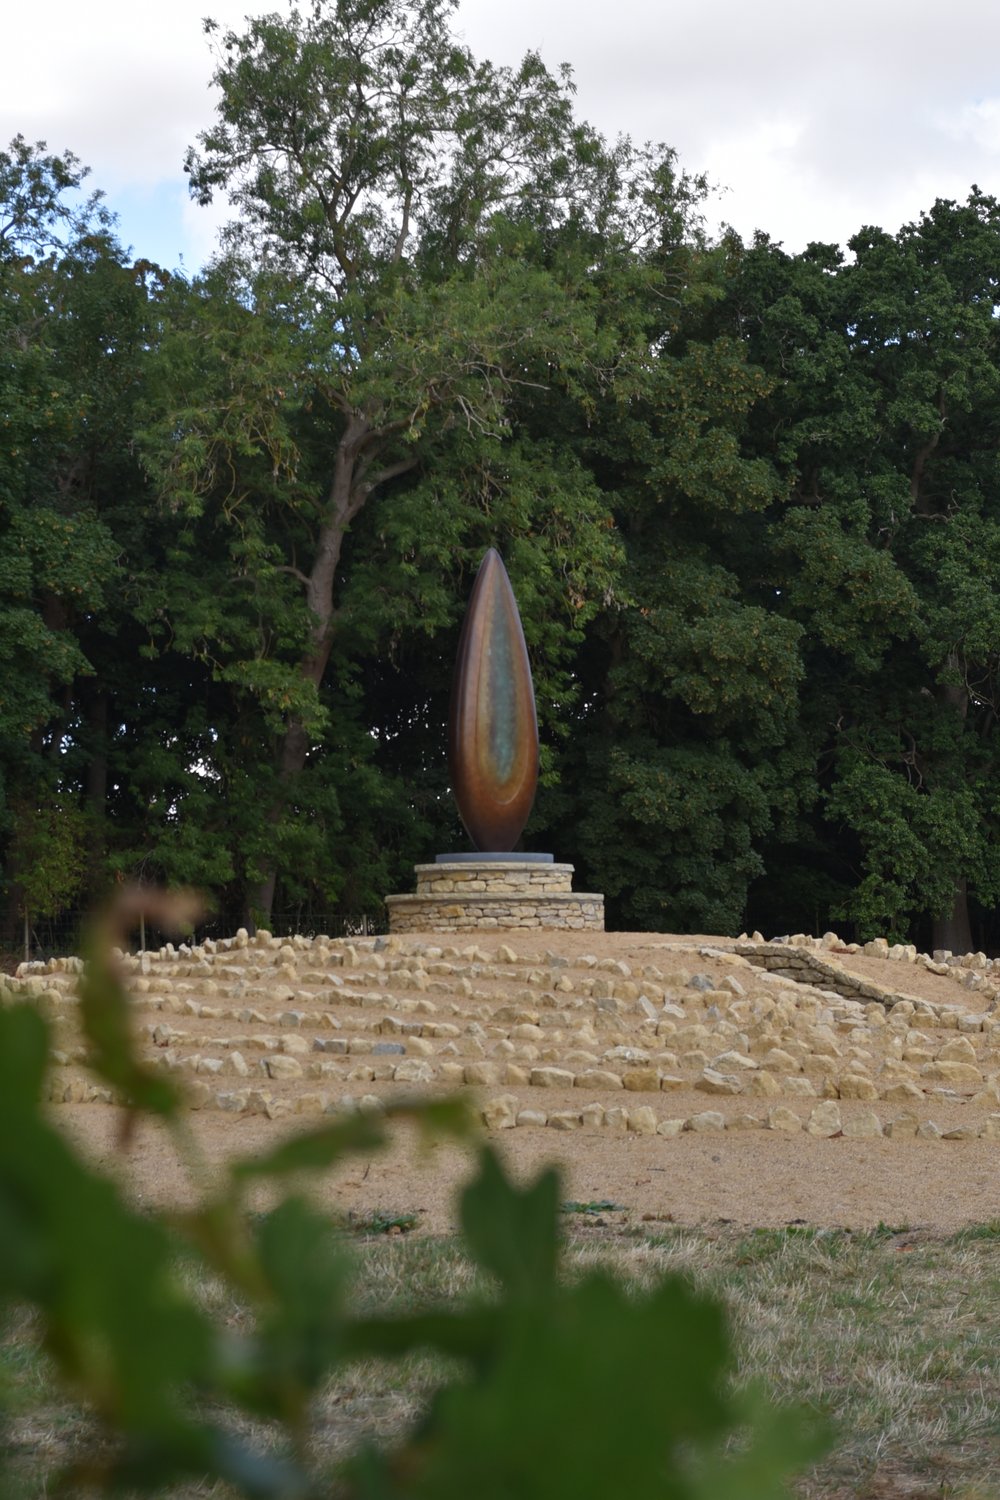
x=895 y=1335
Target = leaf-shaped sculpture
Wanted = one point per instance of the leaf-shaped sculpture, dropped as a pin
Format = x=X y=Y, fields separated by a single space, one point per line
x=492 y=729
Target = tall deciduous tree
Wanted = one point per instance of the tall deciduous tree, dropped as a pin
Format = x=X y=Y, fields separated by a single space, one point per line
x=685 y=757
x=883 y=421
x=422 y=239
x=62 y=280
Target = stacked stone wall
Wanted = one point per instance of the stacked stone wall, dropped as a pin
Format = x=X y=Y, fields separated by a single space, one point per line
x=684 y=1039
x=465 y=896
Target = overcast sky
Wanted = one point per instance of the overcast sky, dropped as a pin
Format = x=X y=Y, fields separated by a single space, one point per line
x=813 y=119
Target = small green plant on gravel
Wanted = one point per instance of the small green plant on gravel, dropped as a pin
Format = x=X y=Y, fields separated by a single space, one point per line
x=593 y=1206
x=549 y=1386
x=382 y=1221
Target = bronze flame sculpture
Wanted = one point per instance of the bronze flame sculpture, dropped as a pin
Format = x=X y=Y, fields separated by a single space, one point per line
x=492 y=728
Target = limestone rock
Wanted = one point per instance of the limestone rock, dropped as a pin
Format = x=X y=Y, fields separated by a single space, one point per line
x=711 y=1082
x=234 y=1102
x=551 y=1078
x=475 y=1073
x=783 y=1118
x=823 y=1043
x=280 y=1066
x=728 y=1061
x=825 y=1120
x=641 y=1080
x=642 y=1121
x=865 y=1124
x=894 y=1068
x=707 y=1120
x=564 y=1119
x=798 y=1087
x=670 y=1128
x=957 y=1049
x=857 y=1086
x=763 y=1084
x=598 y=1078
x=960 y=1074
x=903 y=1125
x=616 y=1120
x=902 y=1093
x=780 y=1061
x=621 y=1054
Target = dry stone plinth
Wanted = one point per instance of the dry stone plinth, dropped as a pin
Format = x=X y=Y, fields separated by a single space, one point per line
x=481 y=896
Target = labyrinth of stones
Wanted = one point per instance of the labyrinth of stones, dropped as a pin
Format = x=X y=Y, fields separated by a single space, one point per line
x=744 y=1035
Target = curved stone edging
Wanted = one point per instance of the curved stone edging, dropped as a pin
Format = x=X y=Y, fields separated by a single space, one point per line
x=565 y=1041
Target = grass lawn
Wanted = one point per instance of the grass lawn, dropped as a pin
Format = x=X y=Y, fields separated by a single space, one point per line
x=896 y=1335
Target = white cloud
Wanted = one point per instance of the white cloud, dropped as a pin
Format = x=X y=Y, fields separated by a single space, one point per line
x=978 y=123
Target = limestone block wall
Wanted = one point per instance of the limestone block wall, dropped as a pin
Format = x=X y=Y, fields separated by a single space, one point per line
x=807 y=967
x=811 y=961
x=464 y=896
x=499 y=877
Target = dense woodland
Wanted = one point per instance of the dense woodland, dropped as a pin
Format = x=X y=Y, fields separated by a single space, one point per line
x=749 y=502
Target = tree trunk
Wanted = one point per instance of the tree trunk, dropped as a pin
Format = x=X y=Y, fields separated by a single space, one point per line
x=345 y=500
x=97 y=793
x=10 y=920
x=954 y=931
x=350 y=488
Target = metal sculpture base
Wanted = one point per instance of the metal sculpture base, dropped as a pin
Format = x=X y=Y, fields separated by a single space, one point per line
x=493 y=892
x=482 y=857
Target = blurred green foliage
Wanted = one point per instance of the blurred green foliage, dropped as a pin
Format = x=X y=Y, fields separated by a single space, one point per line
x=577 y=1390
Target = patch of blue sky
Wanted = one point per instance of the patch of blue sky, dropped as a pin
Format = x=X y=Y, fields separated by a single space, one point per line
x=153 y=223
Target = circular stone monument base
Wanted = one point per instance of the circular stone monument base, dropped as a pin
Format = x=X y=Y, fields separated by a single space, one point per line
x=479 y=857
x=467 y=894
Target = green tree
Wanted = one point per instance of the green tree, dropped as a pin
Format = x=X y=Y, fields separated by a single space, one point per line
x=101 y=746
x=58 y=557
x=682 y=757
x=882 y=421
x=423 y=246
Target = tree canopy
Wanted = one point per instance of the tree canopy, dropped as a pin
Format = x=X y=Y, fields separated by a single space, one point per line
x=747 y=499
